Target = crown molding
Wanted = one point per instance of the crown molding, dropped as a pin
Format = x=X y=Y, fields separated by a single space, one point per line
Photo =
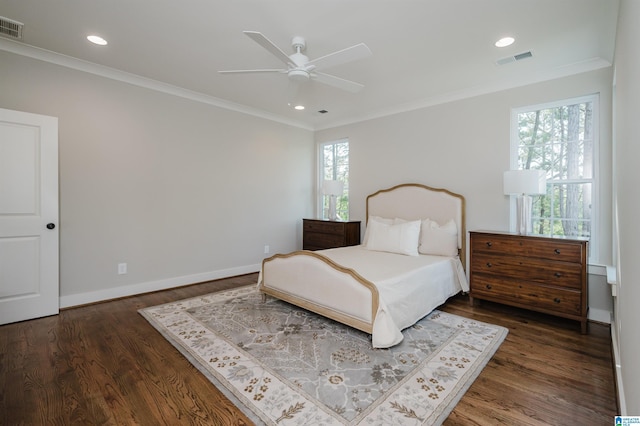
x=125 y=77
x=592 y=64
x=136 y=80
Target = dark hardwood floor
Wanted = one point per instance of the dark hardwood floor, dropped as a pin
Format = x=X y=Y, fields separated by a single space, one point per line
x=545 y=372
x=103 y=364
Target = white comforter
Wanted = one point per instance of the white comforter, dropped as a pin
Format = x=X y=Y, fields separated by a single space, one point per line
x=409 y=286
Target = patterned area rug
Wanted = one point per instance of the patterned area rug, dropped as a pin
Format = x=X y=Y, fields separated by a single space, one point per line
x=282 y=365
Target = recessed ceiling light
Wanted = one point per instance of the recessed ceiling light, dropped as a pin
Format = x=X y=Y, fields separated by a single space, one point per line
x=296 y=106
x=505 y=41
x=97 y=40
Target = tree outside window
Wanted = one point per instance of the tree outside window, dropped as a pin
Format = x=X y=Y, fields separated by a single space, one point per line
x=334 y=165
x=559 y=139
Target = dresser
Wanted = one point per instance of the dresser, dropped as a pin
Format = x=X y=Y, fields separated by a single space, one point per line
x=320 y=234
x=537 y=273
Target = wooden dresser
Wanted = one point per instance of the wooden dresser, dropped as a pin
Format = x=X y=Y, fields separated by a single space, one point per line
x=538 y=273
x=320 y=234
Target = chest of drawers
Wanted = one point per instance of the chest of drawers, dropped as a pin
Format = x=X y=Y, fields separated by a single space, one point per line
x=320 y=234
x=538 y=273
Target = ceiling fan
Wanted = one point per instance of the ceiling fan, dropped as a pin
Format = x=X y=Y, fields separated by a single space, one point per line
x=300 y=68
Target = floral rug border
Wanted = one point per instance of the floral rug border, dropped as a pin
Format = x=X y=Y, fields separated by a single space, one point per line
x=420 y=399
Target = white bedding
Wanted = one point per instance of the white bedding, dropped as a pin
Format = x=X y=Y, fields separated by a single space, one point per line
x=409 y=286
x=397 y=289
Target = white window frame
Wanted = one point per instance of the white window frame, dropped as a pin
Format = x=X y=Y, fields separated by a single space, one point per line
x=320 y=211
x=595 y=186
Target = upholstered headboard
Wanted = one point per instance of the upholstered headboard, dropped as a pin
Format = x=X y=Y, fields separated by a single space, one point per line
x=414 y=201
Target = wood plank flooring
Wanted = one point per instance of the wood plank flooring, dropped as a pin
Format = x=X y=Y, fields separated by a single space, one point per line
x=103 y=364
x=545 y=372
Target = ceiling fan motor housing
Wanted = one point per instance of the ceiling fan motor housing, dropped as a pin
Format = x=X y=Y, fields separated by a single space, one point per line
x=300 y=72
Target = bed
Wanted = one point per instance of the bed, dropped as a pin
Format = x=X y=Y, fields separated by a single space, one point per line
x=411 y=260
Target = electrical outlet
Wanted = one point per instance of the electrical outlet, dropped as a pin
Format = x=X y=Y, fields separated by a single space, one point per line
x=122 y=268
x=266 y=249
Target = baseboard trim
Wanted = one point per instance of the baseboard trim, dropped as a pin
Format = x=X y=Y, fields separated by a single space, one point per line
x=599 y=315
x=622 y=406
x=150 y=286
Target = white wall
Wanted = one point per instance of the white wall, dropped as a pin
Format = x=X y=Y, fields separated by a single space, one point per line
x=179 y=190
x=627 y=178
x=464 y=146
x=184 y=192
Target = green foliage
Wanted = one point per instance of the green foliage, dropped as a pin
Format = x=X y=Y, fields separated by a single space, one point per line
x=335 y=166
x=559 y=140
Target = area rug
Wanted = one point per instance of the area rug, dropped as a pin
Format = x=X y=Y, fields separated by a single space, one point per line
x=282 y=365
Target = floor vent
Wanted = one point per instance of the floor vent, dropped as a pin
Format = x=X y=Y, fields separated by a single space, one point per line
x=10 y=28
x=518 y=57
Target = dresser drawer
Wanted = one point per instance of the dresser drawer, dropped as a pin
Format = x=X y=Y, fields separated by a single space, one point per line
x=323 y=227
x=543 y=248
x=323 y=240
x=528 y=294
x=563 y=274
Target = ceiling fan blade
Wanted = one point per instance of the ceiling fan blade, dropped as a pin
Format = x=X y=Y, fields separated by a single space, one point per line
x=252 y=71
x=353 y=53
x=340 y=83
x=269 y=45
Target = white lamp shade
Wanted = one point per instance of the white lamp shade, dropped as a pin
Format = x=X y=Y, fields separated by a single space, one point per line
x=525 y=182
x=332 y=187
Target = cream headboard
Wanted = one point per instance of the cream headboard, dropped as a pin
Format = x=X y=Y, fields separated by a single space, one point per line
x=414 y=201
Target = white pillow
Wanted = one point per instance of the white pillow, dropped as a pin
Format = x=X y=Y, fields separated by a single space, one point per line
x=438 y=240
x=374 y=219
x=401 y=238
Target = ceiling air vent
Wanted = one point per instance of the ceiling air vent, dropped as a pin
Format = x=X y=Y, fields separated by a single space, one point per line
x=10 y=28
x=518 y=57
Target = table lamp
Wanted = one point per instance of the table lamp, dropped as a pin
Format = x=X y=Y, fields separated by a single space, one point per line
x=524 y=183
x=332 y=188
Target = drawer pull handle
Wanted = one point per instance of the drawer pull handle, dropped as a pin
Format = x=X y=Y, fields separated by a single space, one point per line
x=557 y=251
x=489 y=265
x=489 y=243
x=488 y=286
x=557 y=274
x=556 y=300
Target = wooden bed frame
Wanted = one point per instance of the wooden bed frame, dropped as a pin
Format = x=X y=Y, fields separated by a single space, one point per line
x=324 y=277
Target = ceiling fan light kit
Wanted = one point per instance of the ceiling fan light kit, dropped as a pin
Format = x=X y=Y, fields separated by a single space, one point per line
x=301 y=69
x=298 y=75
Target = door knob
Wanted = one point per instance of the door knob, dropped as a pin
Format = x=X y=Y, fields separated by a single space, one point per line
x=51 y=225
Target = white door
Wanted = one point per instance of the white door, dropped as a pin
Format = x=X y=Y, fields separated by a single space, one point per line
x=28 y=216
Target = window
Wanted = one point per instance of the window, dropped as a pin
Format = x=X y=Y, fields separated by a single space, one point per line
x=561 y=139
x=334 y=165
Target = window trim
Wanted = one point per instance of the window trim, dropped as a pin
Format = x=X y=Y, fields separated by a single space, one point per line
x=595 y=180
